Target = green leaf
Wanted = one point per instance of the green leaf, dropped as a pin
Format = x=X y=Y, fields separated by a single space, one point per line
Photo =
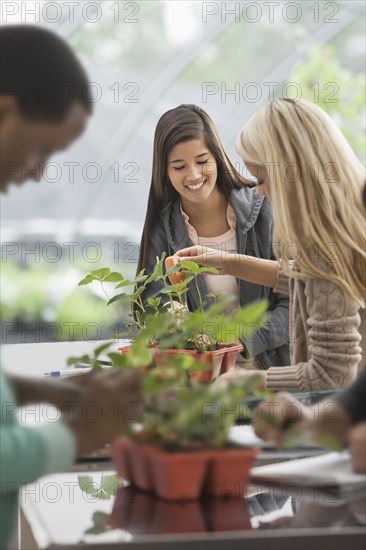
x=117 y=298
x=190 y=266
x=99 y=518
x=72 y=361
x=101 y=348
x=328 y=441
x=87 y=280
x=137 y=281
x=125 y=283
x=101 y=273
x=86 y=484
x=209 y=270
x=118 y=359
x=111 y=483
x=113 y=277
x=100 y=524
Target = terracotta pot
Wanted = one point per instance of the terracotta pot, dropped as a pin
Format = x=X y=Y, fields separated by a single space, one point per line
x=131 y=461
x=229 y=359
x=140 y=461
x=120 y=453
x=228 y=472
x=218 y=361
x=179 y=476
x=125 y=350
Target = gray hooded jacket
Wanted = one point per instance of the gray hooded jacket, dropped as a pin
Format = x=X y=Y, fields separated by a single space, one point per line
x=254 y=238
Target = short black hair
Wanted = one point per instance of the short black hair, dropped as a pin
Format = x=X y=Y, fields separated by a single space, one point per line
x=42 y=72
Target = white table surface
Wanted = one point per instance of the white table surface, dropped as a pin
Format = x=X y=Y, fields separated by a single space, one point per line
x=34 y=360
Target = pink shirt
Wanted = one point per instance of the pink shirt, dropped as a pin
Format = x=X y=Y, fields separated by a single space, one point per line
x=226 y=242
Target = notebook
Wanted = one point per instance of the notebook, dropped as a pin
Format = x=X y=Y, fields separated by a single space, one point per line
x=329 y=474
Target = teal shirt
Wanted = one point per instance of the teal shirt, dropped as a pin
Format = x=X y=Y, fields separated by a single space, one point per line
x=26 y=453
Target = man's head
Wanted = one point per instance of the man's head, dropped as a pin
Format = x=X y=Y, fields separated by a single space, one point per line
x=44 y=101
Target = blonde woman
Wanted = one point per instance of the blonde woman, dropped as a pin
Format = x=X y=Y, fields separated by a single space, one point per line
x=307 y=170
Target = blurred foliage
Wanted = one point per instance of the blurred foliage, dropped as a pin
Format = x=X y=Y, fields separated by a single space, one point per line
x=141 y=45
x=337 y=90
x=40 y=293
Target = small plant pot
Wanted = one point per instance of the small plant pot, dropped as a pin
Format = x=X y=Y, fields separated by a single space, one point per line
x=218 y=361
x=162 y=357
x=125 y=350
x=140 y=460
x=177 y=517
x=228 y=473
x=177 y=277
x=179 y=476
x=229 y=359
x=121 y=450
x=131 y=461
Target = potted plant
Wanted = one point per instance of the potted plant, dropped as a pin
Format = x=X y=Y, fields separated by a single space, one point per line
x=207 y=334
x=181 y=449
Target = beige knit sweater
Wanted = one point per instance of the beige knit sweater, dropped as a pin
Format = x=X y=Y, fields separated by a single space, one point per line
x=326 y=328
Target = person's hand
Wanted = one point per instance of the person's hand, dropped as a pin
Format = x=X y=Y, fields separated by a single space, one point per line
x=357 y=447
x=274 y=418
x=204 y=256
x=109 y=401
x=58 y=391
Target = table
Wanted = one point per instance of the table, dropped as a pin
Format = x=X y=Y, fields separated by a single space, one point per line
x=60 y=512
x=62 y=515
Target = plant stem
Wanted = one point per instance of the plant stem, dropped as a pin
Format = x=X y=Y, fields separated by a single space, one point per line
x=198 y=292
x=103 y=289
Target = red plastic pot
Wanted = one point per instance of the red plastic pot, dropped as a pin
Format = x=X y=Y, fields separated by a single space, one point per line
x=179 y=476
x=142 y=467
x=231 y=354
x=218 y=361
x=121 y=450
x=125 y=350
x=132 y=462
x=228 y=472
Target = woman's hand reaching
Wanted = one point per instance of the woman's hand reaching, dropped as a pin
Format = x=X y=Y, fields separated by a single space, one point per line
x=205 y=256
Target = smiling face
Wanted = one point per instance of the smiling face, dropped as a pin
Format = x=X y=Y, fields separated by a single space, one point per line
x=26 y=145
x=192 y=171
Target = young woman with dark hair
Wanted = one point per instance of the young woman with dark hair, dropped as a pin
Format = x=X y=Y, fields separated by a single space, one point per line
x=198 y=197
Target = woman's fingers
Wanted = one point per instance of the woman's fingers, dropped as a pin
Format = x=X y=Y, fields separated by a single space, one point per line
x=190 y=251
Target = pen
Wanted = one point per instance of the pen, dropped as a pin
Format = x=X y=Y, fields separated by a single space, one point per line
x=66 y=373
x=83 y=365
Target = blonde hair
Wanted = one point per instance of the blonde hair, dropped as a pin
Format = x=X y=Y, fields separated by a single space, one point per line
x=316 y=184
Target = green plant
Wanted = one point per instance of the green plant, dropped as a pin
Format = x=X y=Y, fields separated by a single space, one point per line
x=198 y=417
x=170 y=324
x=178 y=413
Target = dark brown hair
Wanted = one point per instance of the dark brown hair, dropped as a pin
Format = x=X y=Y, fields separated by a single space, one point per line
x=179 y=125
x=40 y=70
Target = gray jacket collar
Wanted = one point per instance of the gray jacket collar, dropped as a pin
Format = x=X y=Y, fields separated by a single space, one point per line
x=244 y=201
